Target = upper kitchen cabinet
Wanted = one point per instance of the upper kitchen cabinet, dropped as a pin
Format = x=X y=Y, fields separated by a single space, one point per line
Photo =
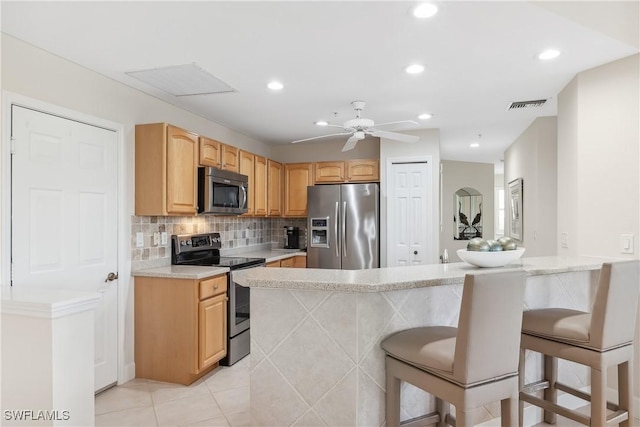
x=218 y=155
x=260 y=188
x=297 y=177
x=247 y=167
x=165 y=170
x=363 y=170
x=329 y=172
x=274 y=188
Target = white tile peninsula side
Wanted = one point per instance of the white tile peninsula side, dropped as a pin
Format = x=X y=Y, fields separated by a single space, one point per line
x=315 y=334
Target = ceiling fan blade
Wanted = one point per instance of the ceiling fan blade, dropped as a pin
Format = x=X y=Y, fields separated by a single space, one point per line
x=395 y=136
x=321 y=136
x=397 y=123
x=351 y=143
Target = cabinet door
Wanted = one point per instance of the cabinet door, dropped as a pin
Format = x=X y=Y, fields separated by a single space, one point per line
x=274 y=188
x=363 y=170
x=299 y=261
x=230 y=158
x=212 y=339
x=246 y=167
x=329 y=172
x=286 y=263
x=274 y=264
x=210 y=152
x=260 y=188
x=182 y=156
x=297 y=176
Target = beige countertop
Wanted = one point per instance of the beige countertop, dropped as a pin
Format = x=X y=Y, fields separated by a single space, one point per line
x=200 y=272
x=399 y=278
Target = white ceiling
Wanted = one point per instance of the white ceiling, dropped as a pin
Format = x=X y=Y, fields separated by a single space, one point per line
x=479 y=57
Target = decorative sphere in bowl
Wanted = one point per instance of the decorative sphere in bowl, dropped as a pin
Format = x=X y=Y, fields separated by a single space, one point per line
x=478 y=244
x=490 y=258
x=494 y=246
x=508 y=244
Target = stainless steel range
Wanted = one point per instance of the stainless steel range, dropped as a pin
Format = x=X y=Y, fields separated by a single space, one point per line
x=204 y=249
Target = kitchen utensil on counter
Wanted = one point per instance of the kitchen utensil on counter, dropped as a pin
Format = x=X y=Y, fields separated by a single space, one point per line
x=291 y=237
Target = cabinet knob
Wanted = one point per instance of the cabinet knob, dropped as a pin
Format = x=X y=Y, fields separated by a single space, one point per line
x=215 y=287
x=415 y=252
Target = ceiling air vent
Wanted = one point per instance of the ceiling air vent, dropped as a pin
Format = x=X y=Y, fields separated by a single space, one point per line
x=519 y=105
x=182 y=80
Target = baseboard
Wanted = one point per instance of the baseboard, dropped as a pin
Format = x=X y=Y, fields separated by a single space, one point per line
x=128 y=373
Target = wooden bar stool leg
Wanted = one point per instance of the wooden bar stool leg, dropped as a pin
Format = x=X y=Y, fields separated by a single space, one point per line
x=625 y=391
x=598 y=397
x=392 y=401
x=550 y=394
x=443 y=409
x=520 y=387
x=509 y=412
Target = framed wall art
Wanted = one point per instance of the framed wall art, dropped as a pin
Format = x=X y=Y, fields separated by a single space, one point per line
x=515 y=209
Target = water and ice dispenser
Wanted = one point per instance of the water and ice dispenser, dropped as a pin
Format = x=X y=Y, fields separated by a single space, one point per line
x=320 y=232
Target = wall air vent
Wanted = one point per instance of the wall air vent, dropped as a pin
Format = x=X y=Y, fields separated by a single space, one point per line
x=182 y=80
x=519 y=105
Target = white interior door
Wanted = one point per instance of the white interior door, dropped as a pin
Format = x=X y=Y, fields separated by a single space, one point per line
x=409 y=214
x=64 y=216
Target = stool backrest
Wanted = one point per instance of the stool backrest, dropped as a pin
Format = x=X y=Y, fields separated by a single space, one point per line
x=489 y=327
x=613 y=316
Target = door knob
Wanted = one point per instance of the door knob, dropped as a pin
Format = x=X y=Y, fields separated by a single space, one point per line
x=415 y=252
x=111 y=277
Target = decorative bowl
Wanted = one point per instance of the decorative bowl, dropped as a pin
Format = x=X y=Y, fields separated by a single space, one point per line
x=490 y=259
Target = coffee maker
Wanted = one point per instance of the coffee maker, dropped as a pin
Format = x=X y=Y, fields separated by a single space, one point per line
x=291 y=237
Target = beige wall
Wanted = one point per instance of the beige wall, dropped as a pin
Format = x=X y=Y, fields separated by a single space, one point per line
x=428 y=145
x=599 y=165
x=326 y=150
x=533 y=157
x=457 y=175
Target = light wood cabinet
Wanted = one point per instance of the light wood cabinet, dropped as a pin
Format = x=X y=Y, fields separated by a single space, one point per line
x=329 y=172
x=180 y=327
x=247 y=167
x=218 y=155
x=286 y=263
x=274 y=188
x=165 y=170
x=297 y=177
x=260 y=188
x=274 y=264
x=363 y=170
x=299 y=261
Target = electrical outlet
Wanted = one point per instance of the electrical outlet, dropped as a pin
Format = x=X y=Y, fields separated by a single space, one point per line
x=163 y=238
x=156 y=238
x=139 y=239
x=626 y=243
x=564 y=240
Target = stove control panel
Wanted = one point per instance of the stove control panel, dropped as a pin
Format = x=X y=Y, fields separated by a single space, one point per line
x=195 y=242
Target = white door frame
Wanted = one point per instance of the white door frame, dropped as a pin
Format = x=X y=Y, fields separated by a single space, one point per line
x=124 y=248
x=387 y=208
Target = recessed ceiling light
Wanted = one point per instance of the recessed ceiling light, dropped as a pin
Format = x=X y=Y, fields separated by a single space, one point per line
x=474 y=145
x=549 y=54
x=425 y=10
x=414 y=69
x=274 y=85
x=425 y=116
x=321 y=123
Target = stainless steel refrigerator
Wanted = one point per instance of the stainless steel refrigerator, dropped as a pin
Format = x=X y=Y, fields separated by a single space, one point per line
x=343 y=226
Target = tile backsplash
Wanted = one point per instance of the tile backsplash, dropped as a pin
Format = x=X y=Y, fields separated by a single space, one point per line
x=235 y=232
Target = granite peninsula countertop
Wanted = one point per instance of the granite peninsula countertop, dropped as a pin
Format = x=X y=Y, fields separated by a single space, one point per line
x=195 y=272
x=399 y=278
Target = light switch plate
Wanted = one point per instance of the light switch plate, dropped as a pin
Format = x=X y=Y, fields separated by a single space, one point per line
x=139 y=239
x=156 y=238
x=163 y=238
x=626 y=243
x=564 y=240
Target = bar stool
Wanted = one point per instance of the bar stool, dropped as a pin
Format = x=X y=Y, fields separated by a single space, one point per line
x=468 y=366
x=599 y=339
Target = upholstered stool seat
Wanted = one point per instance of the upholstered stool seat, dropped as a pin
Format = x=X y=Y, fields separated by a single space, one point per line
x=468 y=366
x=599 y=339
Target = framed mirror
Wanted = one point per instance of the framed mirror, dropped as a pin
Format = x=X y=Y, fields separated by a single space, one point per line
x=467 y=214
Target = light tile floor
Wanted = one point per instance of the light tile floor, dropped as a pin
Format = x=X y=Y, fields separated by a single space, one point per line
x=220 y=398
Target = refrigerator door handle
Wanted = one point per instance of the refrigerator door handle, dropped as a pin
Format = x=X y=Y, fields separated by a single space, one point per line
x=344 y=229
x=336 y=231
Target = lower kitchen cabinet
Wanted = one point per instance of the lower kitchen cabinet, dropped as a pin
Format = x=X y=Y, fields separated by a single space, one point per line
x=274 y=264
x=299 y=261
x=286 y=263
x=180 y=327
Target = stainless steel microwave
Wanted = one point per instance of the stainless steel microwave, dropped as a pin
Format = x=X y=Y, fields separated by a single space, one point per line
x=222 y=192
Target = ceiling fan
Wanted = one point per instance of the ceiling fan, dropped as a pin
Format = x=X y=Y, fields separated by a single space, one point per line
x=359 y=128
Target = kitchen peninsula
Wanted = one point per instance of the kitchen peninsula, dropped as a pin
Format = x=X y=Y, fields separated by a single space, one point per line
x=315 y=345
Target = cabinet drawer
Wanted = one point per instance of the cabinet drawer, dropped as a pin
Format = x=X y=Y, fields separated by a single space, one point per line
x=273 y=264
x=214 y=286
x=287 y=262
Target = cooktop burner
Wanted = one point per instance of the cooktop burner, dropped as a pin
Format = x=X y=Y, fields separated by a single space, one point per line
x=204 y=249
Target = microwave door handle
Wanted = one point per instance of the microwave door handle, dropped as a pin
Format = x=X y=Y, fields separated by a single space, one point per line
x=244 y=197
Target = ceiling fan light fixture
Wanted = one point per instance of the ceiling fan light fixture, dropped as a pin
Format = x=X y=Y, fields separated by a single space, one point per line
x=425 y=116
x=425 y=10
x=275 y=85
x=414 y=69
x=321 y=123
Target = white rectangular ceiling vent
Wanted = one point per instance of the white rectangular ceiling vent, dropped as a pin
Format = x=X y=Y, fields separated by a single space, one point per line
x=182 y=80
x=519 y=105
